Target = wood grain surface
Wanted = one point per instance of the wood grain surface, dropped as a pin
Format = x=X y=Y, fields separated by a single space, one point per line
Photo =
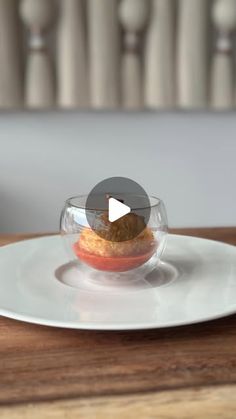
x=198 y=403
x=98 y=371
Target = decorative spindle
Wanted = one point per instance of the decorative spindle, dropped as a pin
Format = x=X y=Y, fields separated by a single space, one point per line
x=222 y=77
x=160 y=56
x=39 y=84
x=11 y=74
x=133 y=17
x=72 y=60
x=103 y=36
x=192 y=53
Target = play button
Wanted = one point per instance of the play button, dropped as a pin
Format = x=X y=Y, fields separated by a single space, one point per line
x=118 y=209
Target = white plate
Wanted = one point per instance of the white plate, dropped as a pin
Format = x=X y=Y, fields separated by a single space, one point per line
x=196 y=282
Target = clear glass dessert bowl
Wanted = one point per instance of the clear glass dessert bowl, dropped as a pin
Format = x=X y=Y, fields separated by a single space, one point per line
x=128 y=245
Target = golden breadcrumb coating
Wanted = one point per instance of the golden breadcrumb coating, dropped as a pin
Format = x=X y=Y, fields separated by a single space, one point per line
x=123 y=229
x=92 y=243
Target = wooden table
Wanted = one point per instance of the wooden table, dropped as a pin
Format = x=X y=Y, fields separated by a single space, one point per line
x=186 y=372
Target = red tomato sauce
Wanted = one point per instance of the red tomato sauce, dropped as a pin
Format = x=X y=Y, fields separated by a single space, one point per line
x=112 y=264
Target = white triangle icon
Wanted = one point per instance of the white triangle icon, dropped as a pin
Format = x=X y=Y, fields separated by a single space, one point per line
x=116 y=209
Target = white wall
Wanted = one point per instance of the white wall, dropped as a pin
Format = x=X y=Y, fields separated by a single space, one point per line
x=187 y=159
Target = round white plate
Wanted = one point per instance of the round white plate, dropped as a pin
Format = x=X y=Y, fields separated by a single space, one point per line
x=196 y=282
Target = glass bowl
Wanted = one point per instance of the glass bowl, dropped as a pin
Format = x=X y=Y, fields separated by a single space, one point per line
x=100 y=249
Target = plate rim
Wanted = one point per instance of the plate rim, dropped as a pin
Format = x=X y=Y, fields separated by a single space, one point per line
x=58 y=235
x=106 y=327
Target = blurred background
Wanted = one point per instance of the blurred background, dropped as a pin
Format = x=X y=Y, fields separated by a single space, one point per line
x=100 y=88
x=188 y=160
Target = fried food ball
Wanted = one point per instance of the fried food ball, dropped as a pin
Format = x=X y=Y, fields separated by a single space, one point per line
x=117 y=247
x=92 y=243
x=123 y=229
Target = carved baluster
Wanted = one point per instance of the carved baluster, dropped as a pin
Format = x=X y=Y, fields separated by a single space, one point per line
x=160 y=56
x=71 y=57
x=133 y=17
x=39 y=83
x=11 y=75
x=192 y=52
x=103 y=36
x=222 y=77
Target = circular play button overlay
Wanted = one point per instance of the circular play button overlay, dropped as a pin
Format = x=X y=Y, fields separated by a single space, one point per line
x=118 y=209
